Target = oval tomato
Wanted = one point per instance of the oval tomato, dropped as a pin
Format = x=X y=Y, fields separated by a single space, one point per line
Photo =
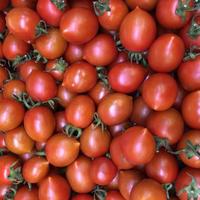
x=114 y=195
x=24 y=3
x=24 y=193
x=60 y=120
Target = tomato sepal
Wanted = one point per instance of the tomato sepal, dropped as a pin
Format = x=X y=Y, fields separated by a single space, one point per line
x=72 y=131
x=194 y=30
x=60 y=4
x=41 y=28
x=60 y=65
x=138 y=57
x=101 y=6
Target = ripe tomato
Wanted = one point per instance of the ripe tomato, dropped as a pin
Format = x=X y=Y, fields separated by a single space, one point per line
x=144 y=4
x=81 y=4
x=24 y=193
x=136 y=141
x=133 y=36
x=190 y=109
x=166 y=124
x=79 y=25
x=100 y=51
x=187 y=156
x=11 y=114
x=115 y=108
x=2 y=22
x=166 y=53
x=113 y=185
x=3 y=75
x=82 y=197
x=2 y=140
x=159 y=91
x=3 y=190
x=114 y=195
x=54 y=187
x=126 y=77
x=78 y=175
x=61 y=150
x=4 y=4
x=18 y=142
x=39 y=123
x=24 y=3
x=41 y=86
x=121 y=57
x=111 y=20
x=80 y=77
x=148 y=189
x=51 y=45
x=60 y=120
x=80 y=111
x=188 y=74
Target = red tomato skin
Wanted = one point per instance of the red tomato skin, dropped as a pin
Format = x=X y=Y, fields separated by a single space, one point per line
x=78 y=25
x=144 y=4
x=82 y=197
x=4 y=4
x=166 y=53
x=81 y=4
x=2 y=21
x=24 y=3
x=3 y=190
x=60 y=120
x=24 y=193
x=3 y=75
x=114 y=195
x=133 y=36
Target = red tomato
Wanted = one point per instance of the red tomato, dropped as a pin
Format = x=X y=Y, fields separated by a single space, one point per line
x=166 y=53
x=54 y=187
x=159 y=91
x=2 y=22
x=100 y=51
x=3 y=191
x=3 y=75
x=79 y=25
x=133 y=36
x=2 y=140
x=135 y=141
x=126 y=77
x=81 y=4
x=113 y=185
x=24 y=193
x=114 y=195
x=39 y=123
x=121 y=57
x=190 y=109
x=82 y=197
x=24 y=3
x=4 y=4
x=144 y=4
x=60 y=120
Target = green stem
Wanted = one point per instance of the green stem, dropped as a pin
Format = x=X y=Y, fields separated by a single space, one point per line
x=138 y=57
x=41 y=28
x=98 y=122
x=60 y=4
x=72 y=131
x=38 y=57
x=194 y=30
x=103 y=75
x=101 y=6
x=162 y=142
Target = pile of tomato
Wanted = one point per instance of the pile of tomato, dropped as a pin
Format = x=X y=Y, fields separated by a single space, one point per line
x=99 y=100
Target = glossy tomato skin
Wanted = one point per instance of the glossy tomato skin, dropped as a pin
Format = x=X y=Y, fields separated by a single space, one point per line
x=39 y=123
x=144 y=4
x=54 y=187
x=79 y=25
x=166 y=14
x=11 y=114
x=78 y=175
x=136 y=141
x=100 y=51
x=80 y=111
x=80 y=77
x=113 y=185
x=49 y=12
x=190 y=109
x=24 y=193
x=114 y=195
x=111 y=20
x=2 y=22
x=126 y=77
x=81 y=4
x=115 y=108
x=188 y=74
x=148 y=189
x=51 y=45
x=194 y=137
x=121 y=57
x=3 y=75
x=3 y=190
x=60 y=120
x=132 y=25
x=35 y=169
x=166 y=53
x=41 y=86
x=159 y=91
x=166 y=124
x=82 y=197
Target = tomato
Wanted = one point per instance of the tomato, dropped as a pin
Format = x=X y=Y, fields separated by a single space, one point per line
x=100 y=51
x=166 y=124
x=187 y=156
x=188 y=74
x=5 y=163
x=81 y=4
x=3 y=190
x=13 y=88
x=184 y=180
x=2 y=22
x=190 y=109
x=50 y=12
x=179 y=98
x=11 y=114
x=26 y=68
x=166 y=53
x=39 y=123
x=80 y=111
x=111 y=20
x=51 y=45
x=73 y=53
x=54 y=187
x=24 y=193
x=126 y=77
x=61 y=150
x=82 y=197
x=17 y=21
x=13 y=47
x=79 y=25
x=4 y=4
x=148 y=189
x=159 y=91
x=24 y=3
x=144 y=4
x=167 y=16
x=40 y=145
x=60 y=120
x=113 y=185
x=41 y=86
x=2 y=140
x=102 y=170
x=114 y=195
x=115 y=108
x=3 y=75
x=127 y=180
x=121 y=57
x=132 y=35
x=80 y=77
x=78 y=175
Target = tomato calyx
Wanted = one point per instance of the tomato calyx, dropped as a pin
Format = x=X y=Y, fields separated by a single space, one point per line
x=60 y=65
x=10 y=194
x=3 y=151
x=20 y=59
x=35 y=55
x=103 y=75
x=98 y=122
x=101 y=6
x=191 y=53
x=99 y=193
x=138 y=57
x=168 y=187
x=3 y=34
x=72 y=131
x=60 y=4
x=41 y=28
x=40 y=153
x=194 y=30
x=162 y=143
